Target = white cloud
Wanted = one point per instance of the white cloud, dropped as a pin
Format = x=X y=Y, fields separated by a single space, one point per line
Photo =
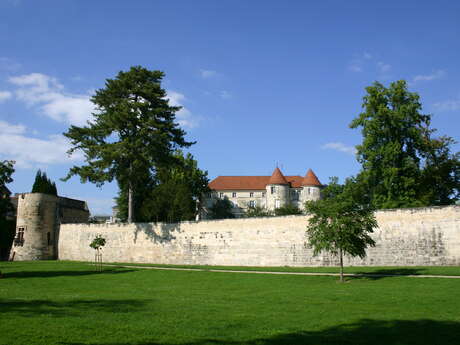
x=448 y=105
x=429 y=77
x=4 y=95
x=357 y=63
x=29 y=152
x=48 y=94
x=7 y=128
x=7 y=64
x=205 y=73
x=225 y=94
x=340 y=147
x=184 y=116
x=383 y=67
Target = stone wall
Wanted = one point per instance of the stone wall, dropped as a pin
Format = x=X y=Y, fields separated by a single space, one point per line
x=422 y=236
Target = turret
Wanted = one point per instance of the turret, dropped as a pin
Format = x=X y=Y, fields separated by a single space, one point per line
x=36 y=228
x=277 y=190
x=311 y=187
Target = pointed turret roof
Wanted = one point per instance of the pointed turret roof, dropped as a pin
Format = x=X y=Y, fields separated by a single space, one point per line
x=277 y=177
x=310 y=179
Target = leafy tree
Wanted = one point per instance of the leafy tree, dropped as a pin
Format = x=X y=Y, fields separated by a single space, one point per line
x=132 y=132
x=221 y=209
x=257 y=211
x=43 y=184
x=402 y=165
x=340 y=223
x=172 y=196
x=287 y=210
x=97 y=244
x=7 y=227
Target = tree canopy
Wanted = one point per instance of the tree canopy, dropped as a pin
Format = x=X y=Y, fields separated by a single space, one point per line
x=7 y=227
x=133 y=132
x=170 y=197
x=43 y=184
x=403 y=165
x=221 y=209
x=340 y=223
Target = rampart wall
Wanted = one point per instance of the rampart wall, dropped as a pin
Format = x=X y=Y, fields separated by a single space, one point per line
x=421 y=236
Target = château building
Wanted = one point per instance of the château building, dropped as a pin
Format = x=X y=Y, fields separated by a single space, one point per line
x=269 y=192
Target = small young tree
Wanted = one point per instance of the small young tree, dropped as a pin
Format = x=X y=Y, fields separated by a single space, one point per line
x=340 y=223
x=97 y=244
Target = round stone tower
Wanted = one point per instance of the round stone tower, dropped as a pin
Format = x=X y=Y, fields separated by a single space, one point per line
x=36 y=228
x=277 y=190
x=311 y=187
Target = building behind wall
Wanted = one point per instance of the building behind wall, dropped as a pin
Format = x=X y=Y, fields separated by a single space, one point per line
x=37 y=224
x=268 y=192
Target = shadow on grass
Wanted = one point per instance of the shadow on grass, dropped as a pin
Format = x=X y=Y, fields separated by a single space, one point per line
x=376 y=332
x=387 y=272
x=49 y=274
x=34 y=308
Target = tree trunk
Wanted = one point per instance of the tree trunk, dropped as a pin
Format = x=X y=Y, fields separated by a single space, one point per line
x=341 y=264
x=130 y=203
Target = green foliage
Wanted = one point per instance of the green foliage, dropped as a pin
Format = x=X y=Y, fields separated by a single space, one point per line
x=340 y=223
x=221 y=209
x=7 y=232
x=287 y=210
x=132 y=135
x=7 y=227
x=170 y=196
x=6 y=170
x=98 y=242
x=402 y=165
x=257 y=211
x=43 y=184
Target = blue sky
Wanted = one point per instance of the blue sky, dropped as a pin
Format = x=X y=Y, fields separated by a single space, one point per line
x=262 y=83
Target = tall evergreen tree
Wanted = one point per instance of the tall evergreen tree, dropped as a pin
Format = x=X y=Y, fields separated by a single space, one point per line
x=43 y=184
x=134 y=131
x=402 y=164
x=172 y=195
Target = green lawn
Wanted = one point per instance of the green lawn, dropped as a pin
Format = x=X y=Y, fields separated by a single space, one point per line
x=383 y=270
x=68 y=303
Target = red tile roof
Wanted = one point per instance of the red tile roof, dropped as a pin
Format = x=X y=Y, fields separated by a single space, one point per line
x=249 y=182
x=310 y=179
x=277 y=177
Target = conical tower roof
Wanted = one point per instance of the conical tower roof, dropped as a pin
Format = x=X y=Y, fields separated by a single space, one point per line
x=310 y=179
x=277 y=177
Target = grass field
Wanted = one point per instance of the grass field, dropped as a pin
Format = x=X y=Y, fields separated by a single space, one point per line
x=393 y=270
x=69 y=303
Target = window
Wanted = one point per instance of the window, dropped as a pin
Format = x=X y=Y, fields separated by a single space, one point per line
x=263 y=194
x=251 y=194
x=234 y=195
x=308 y=190
x=209 y=195
x=19 y=239
x=294 y=194
x=48 y=238
x=252 y=203
x=277 y=204
x=272 y=189
x=221 y=195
